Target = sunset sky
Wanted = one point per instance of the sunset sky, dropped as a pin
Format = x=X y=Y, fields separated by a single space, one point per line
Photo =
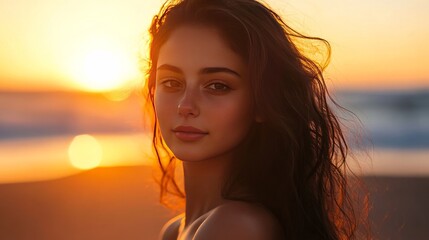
x=61 y=44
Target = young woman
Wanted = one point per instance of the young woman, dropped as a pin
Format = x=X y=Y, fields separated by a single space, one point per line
x=246 y=113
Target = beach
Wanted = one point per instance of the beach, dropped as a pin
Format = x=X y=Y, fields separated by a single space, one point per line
x=104 y=203
x=122 y=203
x=399 y=207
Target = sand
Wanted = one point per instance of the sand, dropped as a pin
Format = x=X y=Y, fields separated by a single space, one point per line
x=400 y=207
x=122 y=203
x=104 y=203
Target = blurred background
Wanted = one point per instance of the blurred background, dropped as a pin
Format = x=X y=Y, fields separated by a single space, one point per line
x=75 y=159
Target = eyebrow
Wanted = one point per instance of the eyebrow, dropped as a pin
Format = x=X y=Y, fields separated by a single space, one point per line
x=207 y=70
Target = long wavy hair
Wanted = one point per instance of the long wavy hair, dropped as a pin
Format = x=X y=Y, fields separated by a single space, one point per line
x=293 y=161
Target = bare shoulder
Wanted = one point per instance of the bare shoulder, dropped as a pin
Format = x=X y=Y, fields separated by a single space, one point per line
x=170 y=229
x=240 y=220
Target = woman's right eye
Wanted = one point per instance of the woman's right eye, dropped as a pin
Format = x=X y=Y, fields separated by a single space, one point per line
x=171 y=84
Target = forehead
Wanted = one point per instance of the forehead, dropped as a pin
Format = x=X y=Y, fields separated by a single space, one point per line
x=193 y=47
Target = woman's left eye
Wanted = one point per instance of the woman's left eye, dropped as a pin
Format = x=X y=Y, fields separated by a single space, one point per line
x=218 y=87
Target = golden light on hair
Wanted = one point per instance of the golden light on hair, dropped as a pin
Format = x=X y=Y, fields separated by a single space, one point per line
x=85 y=152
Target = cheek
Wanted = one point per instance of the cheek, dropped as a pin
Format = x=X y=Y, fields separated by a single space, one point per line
x=233 y=117
x=164 y=108
x=163 y=101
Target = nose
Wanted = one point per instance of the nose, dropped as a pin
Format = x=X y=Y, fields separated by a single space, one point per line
x=187 y=106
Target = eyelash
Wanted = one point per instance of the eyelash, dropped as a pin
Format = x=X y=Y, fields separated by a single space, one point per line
x=225 y=88
x=165 y=83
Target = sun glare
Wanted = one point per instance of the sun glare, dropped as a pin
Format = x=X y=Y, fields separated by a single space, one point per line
x=101 y=70
x=85 y=152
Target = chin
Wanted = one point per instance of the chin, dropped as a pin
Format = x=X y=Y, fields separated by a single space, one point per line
x=188 y=157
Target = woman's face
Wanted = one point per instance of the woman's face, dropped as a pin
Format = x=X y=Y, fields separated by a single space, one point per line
x=202 y=96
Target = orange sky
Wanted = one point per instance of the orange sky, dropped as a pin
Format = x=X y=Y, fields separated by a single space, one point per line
x=53 y=44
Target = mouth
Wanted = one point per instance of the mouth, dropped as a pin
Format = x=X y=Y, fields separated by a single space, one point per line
x=188 y=133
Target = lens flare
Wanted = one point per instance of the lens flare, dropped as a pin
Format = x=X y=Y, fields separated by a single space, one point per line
x=85 y=152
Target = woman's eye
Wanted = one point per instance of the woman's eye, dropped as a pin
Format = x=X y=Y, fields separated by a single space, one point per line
x=218 y=87
x=171 y=84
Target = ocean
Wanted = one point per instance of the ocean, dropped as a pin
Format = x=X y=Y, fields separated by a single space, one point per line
x=391 y=119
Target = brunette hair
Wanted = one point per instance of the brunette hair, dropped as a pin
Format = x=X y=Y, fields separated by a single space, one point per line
x=294 y=161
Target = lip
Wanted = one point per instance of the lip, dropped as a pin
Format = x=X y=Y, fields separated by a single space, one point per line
x=188 y=133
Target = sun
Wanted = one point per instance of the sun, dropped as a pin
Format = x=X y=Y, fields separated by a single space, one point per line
x=102 y=69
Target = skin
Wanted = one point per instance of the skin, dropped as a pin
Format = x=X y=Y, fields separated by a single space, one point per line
x=201 y=82
x=186 y=95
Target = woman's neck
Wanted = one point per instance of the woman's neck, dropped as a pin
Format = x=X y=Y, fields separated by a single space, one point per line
x=203 y=186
